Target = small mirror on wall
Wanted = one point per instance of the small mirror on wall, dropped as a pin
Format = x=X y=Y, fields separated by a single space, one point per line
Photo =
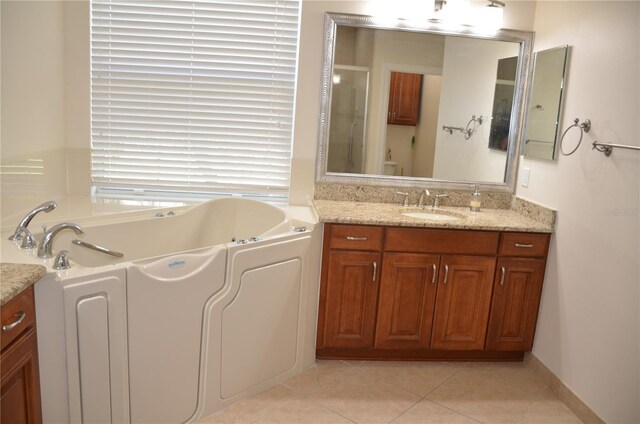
x=545 y=104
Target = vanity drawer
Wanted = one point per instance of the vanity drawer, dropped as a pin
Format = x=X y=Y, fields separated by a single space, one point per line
x=17 y=315
x=524 y=244
x=441 y=241
x=355 y=237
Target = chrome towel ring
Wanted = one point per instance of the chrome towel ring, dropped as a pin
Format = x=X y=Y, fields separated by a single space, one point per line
x=584 y=128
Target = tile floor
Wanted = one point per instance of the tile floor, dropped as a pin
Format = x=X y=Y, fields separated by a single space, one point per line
x=404 y=392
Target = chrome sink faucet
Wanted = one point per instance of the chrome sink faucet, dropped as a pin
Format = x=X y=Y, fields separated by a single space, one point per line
x=423 y=194
x=45 y=207
x=45 y=249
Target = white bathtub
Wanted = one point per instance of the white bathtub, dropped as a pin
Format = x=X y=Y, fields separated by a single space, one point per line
x=212 y=223
x=186 y=322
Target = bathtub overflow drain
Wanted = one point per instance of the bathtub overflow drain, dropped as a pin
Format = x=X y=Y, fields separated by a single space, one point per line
x=300 y=229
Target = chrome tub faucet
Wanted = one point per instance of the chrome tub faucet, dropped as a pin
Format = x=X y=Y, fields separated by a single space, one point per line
x=45 y=249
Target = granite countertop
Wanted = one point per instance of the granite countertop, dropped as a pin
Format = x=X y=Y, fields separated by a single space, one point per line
x=391 y=214
x=15 y=278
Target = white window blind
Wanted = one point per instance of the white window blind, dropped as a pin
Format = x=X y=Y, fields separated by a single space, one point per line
x=193 y=96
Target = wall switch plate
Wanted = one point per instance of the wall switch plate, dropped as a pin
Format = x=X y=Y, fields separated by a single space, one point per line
x=525 y=177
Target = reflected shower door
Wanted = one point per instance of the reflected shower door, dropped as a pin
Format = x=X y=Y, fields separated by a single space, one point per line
x=348 y=119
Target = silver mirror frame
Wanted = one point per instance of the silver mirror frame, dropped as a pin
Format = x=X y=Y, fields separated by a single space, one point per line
x=518 y=113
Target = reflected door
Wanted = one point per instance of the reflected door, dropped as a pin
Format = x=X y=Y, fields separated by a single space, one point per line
x=348 y=119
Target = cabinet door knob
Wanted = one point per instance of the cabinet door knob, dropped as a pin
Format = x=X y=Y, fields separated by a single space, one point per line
x=375 y=271
x=503 y=271
x=21 y=316
x=435 y=271
x=446 y=274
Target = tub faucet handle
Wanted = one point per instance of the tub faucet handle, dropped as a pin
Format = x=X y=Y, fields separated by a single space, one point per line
x=62 y=260
x=28 y=240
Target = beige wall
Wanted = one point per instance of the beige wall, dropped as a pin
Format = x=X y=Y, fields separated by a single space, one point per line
x=33 y=116
x=427 y=130
x=589 y=327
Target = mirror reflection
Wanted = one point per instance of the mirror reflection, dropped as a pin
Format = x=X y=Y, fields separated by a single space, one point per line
x=420 y=105
x=545 y=103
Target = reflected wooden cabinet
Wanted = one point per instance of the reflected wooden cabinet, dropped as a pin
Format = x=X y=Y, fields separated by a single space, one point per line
x=20 y=381
x=405 y=91
x=438 y=294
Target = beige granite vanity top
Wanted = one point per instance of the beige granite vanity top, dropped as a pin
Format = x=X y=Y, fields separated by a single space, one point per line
x=15 y=278
x=391 y=214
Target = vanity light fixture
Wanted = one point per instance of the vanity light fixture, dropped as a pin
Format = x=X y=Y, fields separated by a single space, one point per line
x=491 y=16
x=454 y=13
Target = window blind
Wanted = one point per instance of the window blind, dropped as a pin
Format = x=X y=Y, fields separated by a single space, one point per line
x=193 y=96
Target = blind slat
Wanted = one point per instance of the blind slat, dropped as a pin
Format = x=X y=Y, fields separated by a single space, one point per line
x=193 y=96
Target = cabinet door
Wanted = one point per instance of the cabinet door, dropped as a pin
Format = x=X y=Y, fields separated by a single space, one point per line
x=404 y=98
x=514 y=310
x=462 y=302
x=407 y=297
x=352 y=294
x=20 y=384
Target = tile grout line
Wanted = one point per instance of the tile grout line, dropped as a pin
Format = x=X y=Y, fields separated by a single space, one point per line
x=351 y=369
x=458 y=369
x=532 y=403
x=444 y=406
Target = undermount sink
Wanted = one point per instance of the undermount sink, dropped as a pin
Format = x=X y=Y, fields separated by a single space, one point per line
x=434 y=215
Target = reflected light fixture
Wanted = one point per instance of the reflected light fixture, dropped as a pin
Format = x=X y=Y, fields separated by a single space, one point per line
x=336 y=78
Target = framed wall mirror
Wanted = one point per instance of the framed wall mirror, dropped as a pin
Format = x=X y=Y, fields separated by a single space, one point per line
x=545 y=103
x=406 y=104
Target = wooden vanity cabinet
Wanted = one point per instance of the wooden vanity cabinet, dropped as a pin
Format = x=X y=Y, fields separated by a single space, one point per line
x=350 y=286
x=407 y=298
x=20 y=382
x=517 y=291
x=405 y=92
x=440 y=294
x=463 y=302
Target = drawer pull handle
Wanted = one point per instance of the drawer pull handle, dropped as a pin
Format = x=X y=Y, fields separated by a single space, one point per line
x=446 y=274
x=356 y=238
x=524 y=245
x=14 y=324
x=375 y=271
x=433 y=277
x=503 y=271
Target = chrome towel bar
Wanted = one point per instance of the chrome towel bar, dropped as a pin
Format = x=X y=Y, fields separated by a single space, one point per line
x=607 y=148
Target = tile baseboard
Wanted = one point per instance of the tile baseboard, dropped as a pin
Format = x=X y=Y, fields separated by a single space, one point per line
x=573 y=402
